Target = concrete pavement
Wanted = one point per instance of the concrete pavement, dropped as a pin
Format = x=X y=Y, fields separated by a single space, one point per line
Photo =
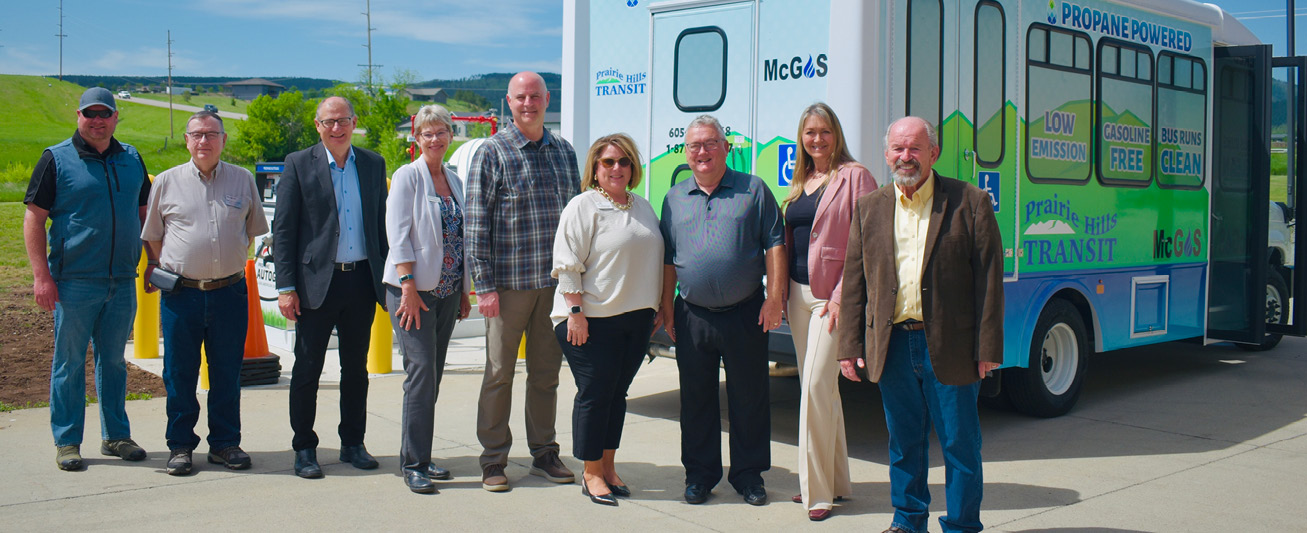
x=1167 y=438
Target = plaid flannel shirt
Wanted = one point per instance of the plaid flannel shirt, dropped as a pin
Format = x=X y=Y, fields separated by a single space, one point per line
x=516 y=190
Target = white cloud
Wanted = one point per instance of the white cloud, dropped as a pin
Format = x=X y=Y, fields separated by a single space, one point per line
x=26 y=60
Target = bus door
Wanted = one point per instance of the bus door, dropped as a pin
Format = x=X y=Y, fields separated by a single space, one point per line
x=703 y=63
x=959 y=76
x=1241 y=150
x=1285 y=282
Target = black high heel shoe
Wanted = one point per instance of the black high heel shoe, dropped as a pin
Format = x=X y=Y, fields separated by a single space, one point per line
x=620 y=490
x=602 y=499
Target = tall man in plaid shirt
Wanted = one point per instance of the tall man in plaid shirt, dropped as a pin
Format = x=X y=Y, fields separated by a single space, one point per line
x=518 y=183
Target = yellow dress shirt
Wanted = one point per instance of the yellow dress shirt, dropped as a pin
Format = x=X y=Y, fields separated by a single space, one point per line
x=911 y=224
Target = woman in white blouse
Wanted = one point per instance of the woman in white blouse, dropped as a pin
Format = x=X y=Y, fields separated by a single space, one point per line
x=426 y=289
x=608 y=258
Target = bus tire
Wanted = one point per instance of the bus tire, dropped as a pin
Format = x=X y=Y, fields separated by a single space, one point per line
x=1059 y=353
x=1277 y=310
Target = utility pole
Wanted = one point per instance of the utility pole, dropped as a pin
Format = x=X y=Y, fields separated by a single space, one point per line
x=370 y=66
x=171 y=130
x=61 y=36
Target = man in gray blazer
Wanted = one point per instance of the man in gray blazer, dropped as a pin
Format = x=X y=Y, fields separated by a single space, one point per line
x=329 y=249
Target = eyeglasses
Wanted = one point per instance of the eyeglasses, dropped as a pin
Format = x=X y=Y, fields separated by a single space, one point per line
x=332 y=122
x=210 y=136
x=707 y=146
x=609 y=162
x=428 y=136
x=103 y=113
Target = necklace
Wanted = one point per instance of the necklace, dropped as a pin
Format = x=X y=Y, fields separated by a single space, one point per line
x=622 y=207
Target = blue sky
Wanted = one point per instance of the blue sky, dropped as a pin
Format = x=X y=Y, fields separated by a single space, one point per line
x=325 y=38
x=282 y=38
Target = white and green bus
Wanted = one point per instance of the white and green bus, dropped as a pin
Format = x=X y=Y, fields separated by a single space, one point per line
x=1128 y=146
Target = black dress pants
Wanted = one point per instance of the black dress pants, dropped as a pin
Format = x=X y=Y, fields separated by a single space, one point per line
x=603 y=368
x=706 y=340
x=349 y=308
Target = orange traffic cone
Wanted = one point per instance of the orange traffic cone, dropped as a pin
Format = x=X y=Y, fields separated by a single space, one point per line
x=256 y=340
x=260 y=367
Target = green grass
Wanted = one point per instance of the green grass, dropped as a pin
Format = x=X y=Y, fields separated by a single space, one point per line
x=14 y=270
x=40 y=112
x=223 y=103
x=6 y=407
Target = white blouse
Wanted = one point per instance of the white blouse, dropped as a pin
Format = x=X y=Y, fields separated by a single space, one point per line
x=612 y=257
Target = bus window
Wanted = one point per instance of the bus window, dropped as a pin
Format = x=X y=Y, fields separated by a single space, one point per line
x=1059 y=113
x=925 y=89
x=990 y=70
x=1125 y=114
x=699 y=75
x=1181 y=121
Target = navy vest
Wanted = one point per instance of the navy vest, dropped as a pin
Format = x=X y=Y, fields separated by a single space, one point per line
x=95 y=225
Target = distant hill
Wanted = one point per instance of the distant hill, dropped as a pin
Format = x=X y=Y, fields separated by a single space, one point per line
x=132 y=82
x=494 y=86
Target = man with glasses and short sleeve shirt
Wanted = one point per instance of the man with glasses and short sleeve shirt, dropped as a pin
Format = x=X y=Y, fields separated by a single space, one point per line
x=517 y=185
x=329 y=249
x=93 y=190
x=202 y=217
x=722 y=231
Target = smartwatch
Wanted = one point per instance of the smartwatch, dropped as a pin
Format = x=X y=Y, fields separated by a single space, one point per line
x=405 y=277
x=575 y=310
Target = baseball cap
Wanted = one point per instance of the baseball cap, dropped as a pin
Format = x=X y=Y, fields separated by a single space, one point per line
x=97 y=96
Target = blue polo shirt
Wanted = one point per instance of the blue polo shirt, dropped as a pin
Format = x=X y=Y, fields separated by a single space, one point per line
x=718 y=243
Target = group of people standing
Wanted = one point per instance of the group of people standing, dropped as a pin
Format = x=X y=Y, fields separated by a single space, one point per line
x=562 y=255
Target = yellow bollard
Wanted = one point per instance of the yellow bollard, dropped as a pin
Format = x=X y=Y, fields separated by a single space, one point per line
x=145 y=328
x=380 y=351
x=521 y=347
x=204 y=369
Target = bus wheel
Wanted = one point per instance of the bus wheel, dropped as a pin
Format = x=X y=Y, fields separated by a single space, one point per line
x=1277 y=310
x=1059 y=351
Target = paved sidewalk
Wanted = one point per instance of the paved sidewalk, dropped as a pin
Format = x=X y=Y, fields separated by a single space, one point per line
x=1169 y=438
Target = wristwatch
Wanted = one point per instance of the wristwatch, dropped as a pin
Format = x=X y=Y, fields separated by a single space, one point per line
x=405 y=277
x=576 y=310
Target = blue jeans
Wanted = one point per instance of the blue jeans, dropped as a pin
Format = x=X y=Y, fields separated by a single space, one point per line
x=218 y=319
x=98 y=311
x=913 y=399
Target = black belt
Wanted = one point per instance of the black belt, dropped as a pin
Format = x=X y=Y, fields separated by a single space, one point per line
x=350 y=266
x=212 y=284
x=731 y=307
x=910 y=325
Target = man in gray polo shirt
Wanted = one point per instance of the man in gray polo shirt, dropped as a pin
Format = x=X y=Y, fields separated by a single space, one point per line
x=201 y=219
x=722 y=231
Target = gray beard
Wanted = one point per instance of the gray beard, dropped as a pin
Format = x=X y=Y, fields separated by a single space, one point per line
x=907 y=177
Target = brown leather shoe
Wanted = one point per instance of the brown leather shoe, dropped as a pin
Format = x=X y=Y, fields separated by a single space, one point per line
x=817 y=515
x=550 y=467
x=493 y=478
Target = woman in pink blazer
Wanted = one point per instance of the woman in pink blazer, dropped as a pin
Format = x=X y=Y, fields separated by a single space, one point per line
x=818 y=211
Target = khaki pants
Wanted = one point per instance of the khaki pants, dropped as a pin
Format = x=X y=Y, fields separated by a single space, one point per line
x=823 y=449
x=519 y=311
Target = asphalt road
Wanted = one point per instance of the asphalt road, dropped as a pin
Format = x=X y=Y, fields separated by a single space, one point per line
x=183 y=107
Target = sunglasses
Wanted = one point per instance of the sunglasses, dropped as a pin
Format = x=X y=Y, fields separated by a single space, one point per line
x=609 y=162
x=103 y=113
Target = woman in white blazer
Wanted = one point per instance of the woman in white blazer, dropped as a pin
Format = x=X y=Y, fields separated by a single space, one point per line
x=426 y=285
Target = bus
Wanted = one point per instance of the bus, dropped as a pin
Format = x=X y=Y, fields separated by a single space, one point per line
x=1136 y=153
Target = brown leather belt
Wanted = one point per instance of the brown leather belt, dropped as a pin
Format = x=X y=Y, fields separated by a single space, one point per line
x=211 y=284
x=910 y=325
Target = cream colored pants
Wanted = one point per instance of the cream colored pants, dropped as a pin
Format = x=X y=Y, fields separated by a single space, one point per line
x=823 y=448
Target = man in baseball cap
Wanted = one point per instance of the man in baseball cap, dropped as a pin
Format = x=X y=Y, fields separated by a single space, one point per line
x=93 y=190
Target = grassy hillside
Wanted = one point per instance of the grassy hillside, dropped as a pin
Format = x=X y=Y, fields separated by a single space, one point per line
x=39 y=112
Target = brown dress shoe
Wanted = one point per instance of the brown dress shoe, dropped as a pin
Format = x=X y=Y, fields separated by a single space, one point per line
x=817 y=515
x=550 y=467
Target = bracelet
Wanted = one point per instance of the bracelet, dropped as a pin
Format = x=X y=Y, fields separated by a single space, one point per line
x=152 y=262
x=405 y=277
